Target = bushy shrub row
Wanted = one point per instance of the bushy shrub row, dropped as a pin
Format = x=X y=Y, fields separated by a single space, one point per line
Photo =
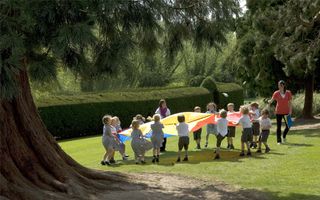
x=78 y=115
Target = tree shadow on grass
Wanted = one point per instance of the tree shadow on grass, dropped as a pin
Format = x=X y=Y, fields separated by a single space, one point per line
x=306 y=132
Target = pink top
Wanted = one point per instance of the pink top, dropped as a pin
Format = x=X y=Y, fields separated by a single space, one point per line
x=282 y=107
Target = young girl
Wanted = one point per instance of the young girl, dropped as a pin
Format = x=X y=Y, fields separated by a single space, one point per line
x=115 y=129
x=140 y=118
x=222 y=131
x=108 y=140
x=246 y=124
x=231 y=129
x=197 y=134
x=211 y=128
x=138 y=143
x=183 y=133
x=163 y=111
x=265 y=124
x=255 y=114
x=157 y=137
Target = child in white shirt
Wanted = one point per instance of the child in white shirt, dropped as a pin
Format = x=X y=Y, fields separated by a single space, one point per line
x=265 y=124
x=255 y=114
x=222 y=131
x=246 y=124
x=183 y=133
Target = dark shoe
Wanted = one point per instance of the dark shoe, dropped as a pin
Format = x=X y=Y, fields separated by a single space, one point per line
x=206 y=145
x=157 y=159
x=103 y=163
x=112 y=161
x=107 y=163
x=249 y=153
x=185 y=158
x=126 y=156
x=154 y=159
x=241 y=154
x=251 y=145
x=267 y=149
x=137 y=163
x=198 y=147
x=255 y=145
x=162 y=150
x=217 y=157
x=259 y=151
x=231 y=146
x=143 y=162
x=178 y=160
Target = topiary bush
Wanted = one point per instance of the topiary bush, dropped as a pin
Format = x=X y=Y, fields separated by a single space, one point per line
x=211 y=85
x=196 y=81
x=229 y=93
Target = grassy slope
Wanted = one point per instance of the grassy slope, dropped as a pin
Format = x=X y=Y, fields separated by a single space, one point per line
x=289 y=171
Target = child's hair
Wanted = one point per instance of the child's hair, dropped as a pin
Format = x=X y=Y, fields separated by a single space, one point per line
x=244 y=110
x=223 y=113
x=254 y=104
x=197 y=108
x=117 y=119
x=135 y=123
x=105 y=119
x=161 y=102
x=230 y=104
x=139 y=117
x=265 y=112
x=211 y=104
x=181 y=118
x=156 y=117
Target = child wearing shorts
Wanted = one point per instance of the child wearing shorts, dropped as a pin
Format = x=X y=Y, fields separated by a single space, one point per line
x=157 y=137
x=197 y=134
x=222 y=131
x=183 y=133
x=265 y=124
x=211 y=128
x=231 y=129
x=255 y=114
x=246 y=124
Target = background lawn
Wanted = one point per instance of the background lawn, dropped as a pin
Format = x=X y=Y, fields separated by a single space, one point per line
x=289 y=171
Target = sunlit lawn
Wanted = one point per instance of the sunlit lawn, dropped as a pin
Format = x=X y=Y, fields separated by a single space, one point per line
x=289 y=171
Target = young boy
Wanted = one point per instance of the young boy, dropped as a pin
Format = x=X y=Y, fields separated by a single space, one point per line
x=255 y=114
x=246 y=124
x=197 y=134
x=222 y=131
x=183 y=133
x=231 y=129
x=265 y=124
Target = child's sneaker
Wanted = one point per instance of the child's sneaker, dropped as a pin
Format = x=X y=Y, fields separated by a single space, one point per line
x=206 y=145
x=126 y=155
x=185 y=158
x=143 y=162
x=112 y=161
x=217 y=157
x=249 y=153
x=154 y=159
x=267 y=149
x=279 y=143
x=231 y=146
x=259 y=151
x=102 y=162
x=124 y=158
x=107 y=163
x=178 y=160
x=241 y=154
x=157 y=159
x=251 y=145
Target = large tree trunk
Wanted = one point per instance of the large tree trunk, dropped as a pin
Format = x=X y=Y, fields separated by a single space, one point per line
x=32 y=164
x=308 y=98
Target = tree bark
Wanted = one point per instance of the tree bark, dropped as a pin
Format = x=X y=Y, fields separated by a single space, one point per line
x=32 y=164
x=308 y=97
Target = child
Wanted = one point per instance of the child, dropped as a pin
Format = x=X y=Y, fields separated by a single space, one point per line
x=108 y=140
x=183 y=133
x=138 y=143
x=115 y=129
x=197 y=134
x=222 y=131
x=231 y=129
x=246 y=136
x=265 y=124
x=140 y=118
x=255 y=114
x=211 y=128
x=157 y=137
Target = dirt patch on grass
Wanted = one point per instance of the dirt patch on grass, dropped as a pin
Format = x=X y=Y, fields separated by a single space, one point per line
x=169 y=186
x=302 y=124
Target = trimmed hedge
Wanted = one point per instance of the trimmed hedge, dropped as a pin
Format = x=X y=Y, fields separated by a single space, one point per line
x=79 y=115
x=235 y=95
x=68 y=116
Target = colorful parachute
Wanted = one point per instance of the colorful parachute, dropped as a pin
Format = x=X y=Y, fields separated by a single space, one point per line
x=193 y=119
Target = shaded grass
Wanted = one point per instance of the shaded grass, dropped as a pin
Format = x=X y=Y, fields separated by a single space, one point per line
x=289 y=171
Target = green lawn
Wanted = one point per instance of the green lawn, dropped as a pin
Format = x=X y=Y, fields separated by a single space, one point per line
x=289 y=171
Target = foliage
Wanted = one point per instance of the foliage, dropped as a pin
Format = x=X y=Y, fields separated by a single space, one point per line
x=234 y=95
x=196 y=81
x=211 y=85
x=292 y=160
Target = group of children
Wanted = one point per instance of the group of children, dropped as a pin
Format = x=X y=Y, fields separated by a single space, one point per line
x=251 y=137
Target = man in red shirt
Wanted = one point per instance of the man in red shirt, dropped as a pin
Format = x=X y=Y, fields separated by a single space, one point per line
x=283 y=108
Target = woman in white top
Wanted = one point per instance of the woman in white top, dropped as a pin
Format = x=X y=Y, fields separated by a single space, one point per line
x=164 y=112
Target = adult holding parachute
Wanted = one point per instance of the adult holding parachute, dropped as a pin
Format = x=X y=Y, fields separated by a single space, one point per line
x=283 y=109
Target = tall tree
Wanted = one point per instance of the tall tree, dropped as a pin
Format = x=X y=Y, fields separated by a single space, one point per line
x=37 y=34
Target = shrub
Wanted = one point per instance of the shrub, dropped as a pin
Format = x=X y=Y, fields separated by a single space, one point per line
x=196 y=81
x=79 y=115
x=234 y=95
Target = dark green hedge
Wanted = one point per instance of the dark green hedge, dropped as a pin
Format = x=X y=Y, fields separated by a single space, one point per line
x=235 y=95
x=79 y=115
x=68 y=116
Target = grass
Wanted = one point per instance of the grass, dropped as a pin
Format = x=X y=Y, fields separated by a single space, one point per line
x=289 y=171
